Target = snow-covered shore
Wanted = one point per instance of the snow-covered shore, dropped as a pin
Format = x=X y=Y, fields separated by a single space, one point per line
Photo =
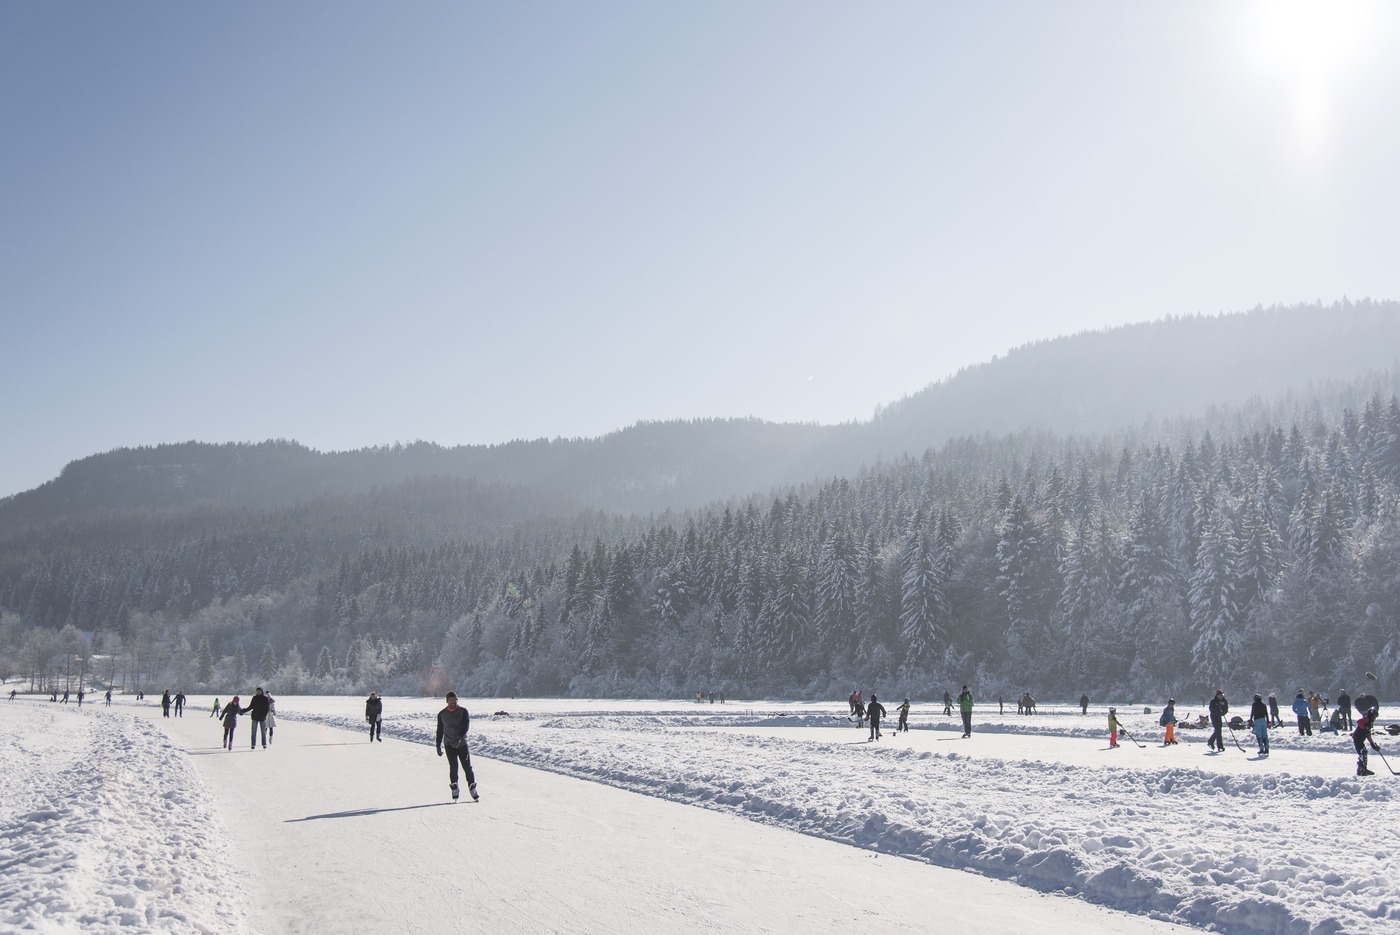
x=1228 y=842
x=106 y=826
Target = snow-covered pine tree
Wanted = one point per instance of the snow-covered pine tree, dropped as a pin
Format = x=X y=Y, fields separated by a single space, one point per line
x=1218 y=644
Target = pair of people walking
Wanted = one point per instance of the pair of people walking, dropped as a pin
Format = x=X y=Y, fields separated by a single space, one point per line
x=261 y=709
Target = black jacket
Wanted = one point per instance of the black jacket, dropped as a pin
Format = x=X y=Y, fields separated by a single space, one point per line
x=374 y=708
x=1218 y=707
x=258 y=707
x=453 y=726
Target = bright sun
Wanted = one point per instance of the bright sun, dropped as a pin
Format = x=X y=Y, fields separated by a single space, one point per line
x=1312 y=49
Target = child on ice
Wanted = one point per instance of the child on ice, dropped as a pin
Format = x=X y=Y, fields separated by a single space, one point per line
x=1113 y=727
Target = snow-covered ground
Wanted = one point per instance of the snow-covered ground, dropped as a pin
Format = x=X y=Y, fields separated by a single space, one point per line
x=1033 y=824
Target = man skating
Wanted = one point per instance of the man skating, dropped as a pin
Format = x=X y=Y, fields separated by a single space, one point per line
x=257 y=710
x=875 y=711
x=374 y=714
x=453 y=722
x=1218 y=708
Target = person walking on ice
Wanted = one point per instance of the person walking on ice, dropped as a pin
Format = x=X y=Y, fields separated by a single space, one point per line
x=230 y=720
x=1361 y=737
x=1113 y=727
x=453 y=722
x=374 y=712
x=874 y=711
x=965 y=709
x=257 y=709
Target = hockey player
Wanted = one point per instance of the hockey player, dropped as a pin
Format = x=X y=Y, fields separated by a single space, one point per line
x=1361 y=738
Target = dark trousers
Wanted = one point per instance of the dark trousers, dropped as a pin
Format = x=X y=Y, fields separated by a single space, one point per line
x=1304 y=726
x=1346 y=717
x=257 y=724
x=375 y=729
x=967 y=723
x=874 y=728
x=903 y=724
x=1360 y=754
x=228 y=736
x=464 y=755
x=1216 y=741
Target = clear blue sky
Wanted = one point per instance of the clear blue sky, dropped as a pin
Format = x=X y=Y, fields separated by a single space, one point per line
x=355 y=223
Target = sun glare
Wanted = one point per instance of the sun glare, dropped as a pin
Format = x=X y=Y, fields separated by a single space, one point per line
x=1311 y=49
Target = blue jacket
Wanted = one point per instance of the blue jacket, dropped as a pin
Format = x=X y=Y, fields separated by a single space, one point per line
x=1300 y=707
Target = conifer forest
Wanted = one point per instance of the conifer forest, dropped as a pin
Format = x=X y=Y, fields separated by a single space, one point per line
x=1256 y=547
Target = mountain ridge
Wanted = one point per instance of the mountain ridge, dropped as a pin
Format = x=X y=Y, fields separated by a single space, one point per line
x=1089 y=382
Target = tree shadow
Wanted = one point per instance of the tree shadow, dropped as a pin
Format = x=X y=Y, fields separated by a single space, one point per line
x=361 y=812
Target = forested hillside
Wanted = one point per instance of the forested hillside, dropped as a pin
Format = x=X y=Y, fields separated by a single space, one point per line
x=1219 y=535
x=1257 y=547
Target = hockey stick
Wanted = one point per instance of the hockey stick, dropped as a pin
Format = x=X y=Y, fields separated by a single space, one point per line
x=1129 y=736
x=1234 y=738
x=1386 y=762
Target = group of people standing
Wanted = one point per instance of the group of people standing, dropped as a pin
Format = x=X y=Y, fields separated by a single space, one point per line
x=875 y=712
x=1265 y=714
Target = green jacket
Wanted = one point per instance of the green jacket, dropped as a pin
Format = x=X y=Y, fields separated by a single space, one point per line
x=965 y=702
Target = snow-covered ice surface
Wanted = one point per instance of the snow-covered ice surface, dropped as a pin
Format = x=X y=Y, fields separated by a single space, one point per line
x=106 y=826
x=331 y=833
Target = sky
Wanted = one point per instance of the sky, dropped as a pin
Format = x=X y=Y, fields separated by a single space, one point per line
x=357 y=223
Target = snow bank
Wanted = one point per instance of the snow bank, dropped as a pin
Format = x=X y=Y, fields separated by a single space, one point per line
x=105 y=827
